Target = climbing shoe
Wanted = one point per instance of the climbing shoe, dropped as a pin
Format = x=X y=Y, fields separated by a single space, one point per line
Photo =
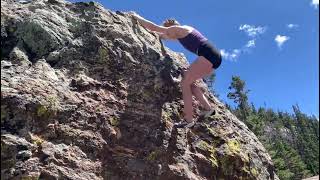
x=208 y=113
x=185 y=124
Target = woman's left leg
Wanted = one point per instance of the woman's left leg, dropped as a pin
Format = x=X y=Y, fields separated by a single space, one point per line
x=198 y=93
x=198 y=69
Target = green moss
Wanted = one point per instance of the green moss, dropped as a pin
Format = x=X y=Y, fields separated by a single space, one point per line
x=153 y=155
x=234 y=146
x=232 y=164
x=147 y=95
x=254 y=172
x=213 y=160
x=36 y=140
x=165 y=115
x=203 y=145
x=211 y=151
x=103 y=54
x=114 y=121
x=226 y=165
x=42 y=111
x=98 y=110
x=53 y=102
x=249 y=174
x=211 y=131
x=30 y=178
x=49 y=109
x=4 y=149
x=12 y=29
x=245 y=169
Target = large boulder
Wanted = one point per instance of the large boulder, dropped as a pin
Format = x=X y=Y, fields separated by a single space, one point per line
x=87 y=93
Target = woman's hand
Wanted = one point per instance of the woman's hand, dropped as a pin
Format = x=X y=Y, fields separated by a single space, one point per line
x=134 y=15
x=131 y=13
x=146 y=23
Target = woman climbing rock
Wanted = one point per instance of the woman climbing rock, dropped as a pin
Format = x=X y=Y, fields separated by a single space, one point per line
x=209 y=59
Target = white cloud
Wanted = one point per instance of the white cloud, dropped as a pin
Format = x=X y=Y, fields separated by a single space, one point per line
x=280 y=40
x=251 y=30
x=251 y=43
x=315 y=3
x=233 y=56
x=292 y=26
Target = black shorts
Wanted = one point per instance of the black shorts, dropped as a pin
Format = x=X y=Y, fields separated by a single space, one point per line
x=208 y=51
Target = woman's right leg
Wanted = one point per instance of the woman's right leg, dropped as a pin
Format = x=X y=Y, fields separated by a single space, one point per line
x=198 y=69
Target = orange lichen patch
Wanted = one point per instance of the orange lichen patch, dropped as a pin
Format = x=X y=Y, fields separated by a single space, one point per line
x=168 y=124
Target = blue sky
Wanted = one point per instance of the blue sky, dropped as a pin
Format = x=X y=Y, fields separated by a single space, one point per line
x=272 y=45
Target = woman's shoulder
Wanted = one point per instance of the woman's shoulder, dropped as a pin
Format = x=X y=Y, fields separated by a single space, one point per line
x=179 y=31
x=184 y=29
x=189 y=28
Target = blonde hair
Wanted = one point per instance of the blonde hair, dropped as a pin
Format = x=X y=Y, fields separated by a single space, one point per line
x=170 y=22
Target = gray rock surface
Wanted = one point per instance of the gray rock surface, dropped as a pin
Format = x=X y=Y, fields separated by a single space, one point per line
x=312 y=178
x=87 y=93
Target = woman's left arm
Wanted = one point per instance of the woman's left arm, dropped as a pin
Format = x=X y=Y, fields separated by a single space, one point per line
x=149 y=25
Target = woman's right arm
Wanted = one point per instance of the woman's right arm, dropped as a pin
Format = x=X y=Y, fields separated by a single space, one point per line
x=172 y=32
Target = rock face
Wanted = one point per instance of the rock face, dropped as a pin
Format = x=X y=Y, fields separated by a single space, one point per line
x=312 y=178
x=87 y=93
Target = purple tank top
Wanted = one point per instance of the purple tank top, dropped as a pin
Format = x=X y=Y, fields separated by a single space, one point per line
x=192 y=41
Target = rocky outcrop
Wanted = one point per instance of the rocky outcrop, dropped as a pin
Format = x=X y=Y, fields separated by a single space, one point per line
x=312 y=178
x=87 y=93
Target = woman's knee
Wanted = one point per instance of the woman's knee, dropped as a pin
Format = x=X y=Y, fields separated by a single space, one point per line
x=194 y=87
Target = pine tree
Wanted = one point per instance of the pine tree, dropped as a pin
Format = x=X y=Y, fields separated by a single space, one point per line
x=239 y=96
x=292 y=140
x=308 y=141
